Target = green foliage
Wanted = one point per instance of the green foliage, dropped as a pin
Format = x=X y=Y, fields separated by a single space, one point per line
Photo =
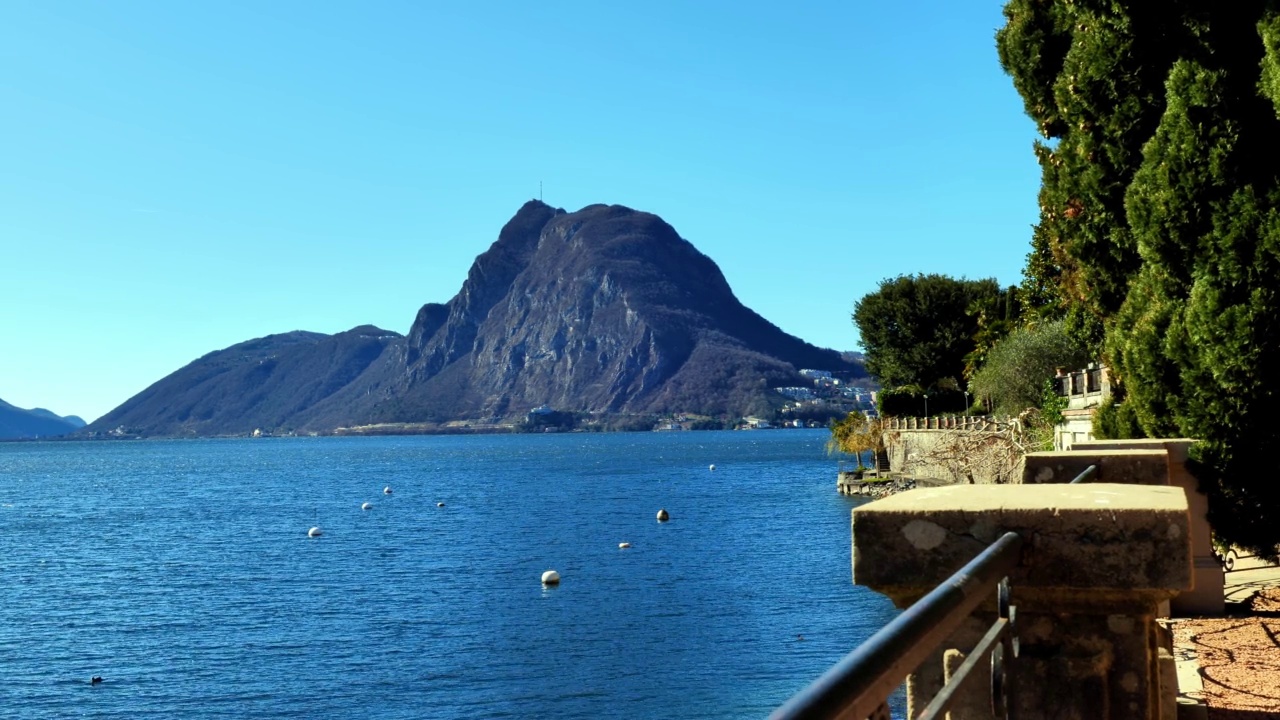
x=1051 y=404
x=997 y=316
x=1116 y=420
x=552 y=421
x=855 y=435
x=1091 y=77
x=1197 y=340
x=1017 y=368
x=917 y=330
x=1160 y=221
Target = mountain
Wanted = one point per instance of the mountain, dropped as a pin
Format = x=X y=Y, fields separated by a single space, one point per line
x=606 y=310
x=16 y=422
x=261 y=383
x=75 y=420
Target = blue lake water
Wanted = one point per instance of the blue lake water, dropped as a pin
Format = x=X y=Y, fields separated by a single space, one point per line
x=182 y=573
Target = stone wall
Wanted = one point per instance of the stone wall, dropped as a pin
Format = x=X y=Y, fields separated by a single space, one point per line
x=954 y=450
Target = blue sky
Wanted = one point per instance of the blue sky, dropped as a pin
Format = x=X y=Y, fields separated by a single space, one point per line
x=180 y=177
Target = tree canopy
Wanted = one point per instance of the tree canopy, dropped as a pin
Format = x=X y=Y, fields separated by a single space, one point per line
x=1160 y=219
x=918 y=329
x=1017 y=368
x=857 y=434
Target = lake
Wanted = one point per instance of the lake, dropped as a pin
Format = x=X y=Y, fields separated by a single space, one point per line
x=181 y=572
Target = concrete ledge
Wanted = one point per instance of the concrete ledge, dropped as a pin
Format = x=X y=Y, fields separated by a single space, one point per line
x=1085 y=543
x=1206 y=598
x=1139 y=467
x=1096 y=562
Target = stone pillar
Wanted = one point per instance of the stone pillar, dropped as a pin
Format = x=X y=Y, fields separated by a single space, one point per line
x=1206 y=598
x=1097 y=560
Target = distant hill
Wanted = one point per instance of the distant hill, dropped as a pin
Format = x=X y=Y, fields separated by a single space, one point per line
x=263 y=383
x=16 y=422
x=75 y=420
x=606 y=310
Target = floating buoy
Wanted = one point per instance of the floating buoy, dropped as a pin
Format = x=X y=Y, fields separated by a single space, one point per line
x=551 y=577
x=440 y=504
x=663 y=516
x=366 y=506
x=386 y=490
x=624 y=545
x=314 y=532
x=712 y=468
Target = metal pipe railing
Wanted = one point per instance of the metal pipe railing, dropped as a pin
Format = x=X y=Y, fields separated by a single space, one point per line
x=859 y=685
x=1086 y=476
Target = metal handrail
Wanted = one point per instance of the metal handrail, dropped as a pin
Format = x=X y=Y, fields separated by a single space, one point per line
x=1085 y=476
x=859 y=685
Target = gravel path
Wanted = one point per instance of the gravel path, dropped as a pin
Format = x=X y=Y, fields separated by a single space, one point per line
x=1239 y=660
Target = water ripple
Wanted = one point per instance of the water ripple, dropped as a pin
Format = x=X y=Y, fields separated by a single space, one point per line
x=181 y=572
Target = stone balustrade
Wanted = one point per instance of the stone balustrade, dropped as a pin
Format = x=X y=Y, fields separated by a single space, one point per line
x=1146 y=462
x=976 y=423
x=1098 y=560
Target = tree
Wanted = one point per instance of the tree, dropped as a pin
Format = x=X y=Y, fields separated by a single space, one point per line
x=1018 y=366
x=1160 y=219
x=997 y=316
x=917 y=330
x=857 y=434
x=1198 y=340
x=1091 y=76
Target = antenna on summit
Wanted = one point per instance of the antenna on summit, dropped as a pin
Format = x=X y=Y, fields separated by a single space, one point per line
x=539 y=191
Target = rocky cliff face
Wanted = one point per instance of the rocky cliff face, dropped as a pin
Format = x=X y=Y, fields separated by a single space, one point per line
x=604 y=310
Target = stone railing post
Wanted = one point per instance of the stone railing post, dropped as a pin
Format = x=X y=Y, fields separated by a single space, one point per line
x=1097 y=561
x=1206 y=598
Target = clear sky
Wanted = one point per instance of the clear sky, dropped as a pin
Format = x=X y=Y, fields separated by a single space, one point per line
x=177 y=177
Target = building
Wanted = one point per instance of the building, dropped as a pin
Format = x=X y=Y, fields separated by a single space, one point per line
x=1085 y=390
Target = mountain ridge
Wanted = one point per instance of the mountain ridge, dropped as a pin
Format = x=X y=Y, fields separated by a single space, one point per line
x=18 y=423
x=606 y=311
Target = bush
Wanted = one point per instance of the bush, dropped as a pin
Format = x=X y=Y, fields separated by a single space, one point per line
x=1018 y=366
x=1116 y=421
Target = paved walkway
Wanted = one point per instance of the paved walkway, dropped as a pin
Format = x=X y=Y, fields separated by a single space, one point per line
x=1250 y=576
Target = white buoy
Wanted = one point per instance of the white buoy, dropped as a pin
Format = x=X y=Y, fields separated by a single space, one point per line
x=712 y=468
x=366 y=506
x=663 y=516
x=440 y=504
x=624 y=545
x=314 y=532
x=551 y=577
x=386 y=490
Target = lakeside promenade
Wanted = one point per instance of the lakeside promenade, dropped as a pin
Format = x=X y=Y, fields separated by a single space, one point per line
x=1229 y=667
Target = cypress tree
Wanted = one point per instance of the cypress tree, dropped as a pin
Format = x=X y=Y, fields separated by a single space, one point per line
x=1197 y=341
x=1160 y=219
x=1090 y=74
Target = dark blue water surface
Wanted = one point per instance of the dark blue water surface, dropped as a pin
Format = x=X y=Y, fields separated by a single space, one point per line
x=182 y=573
